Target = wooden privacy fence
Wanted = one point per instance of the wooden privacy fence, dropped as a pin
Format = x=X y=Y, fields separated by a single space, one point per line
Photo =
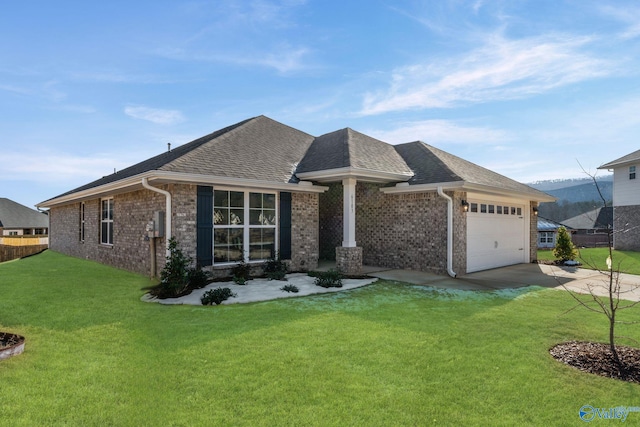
x=7 y=253
x=590 y=240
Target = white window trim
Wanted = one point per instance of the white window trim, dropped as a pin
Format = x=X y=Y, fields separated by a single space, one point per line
x=112 y=221
x=247 y=227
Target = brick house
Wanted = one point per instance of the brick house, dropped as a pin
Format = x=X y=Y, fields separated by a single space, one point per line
x=626 y=201
x=260 y=187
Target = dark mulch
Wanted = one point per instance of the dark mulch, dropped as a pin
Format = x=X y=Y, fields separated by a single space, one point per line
x=596 y=358
x=7 y=339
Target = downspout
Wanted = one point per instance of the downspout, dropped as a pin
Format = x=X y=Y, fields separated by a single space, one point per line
x=449 y=232
x=167 y=196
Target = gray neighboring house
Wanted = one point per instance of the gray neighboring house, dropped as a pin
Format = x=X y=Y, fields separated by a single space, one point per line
x=590 y=229
x=19 y=220
x=260 y=188
x=626 y=201
x=547 y=233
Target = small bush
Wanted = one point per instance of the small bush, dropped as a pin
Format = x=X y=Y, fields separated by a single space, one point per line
x=198 y=278
x=241 y=273
x=328 y=279
x=290 y=288
x=216 y=296
x=177 y=278
x=275 y=268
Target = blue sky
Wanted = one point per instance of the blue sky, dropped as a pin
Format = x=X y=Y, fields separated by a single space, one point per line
x=525 y=88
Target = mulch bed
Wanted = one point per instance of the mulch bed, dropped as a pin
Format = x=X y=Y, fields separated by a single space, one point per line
x=596 y=358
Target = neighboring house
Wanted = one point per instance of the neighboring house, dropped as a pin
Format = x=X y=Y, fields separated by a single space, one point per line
x=591 y=229
x=626 y=201
x=20 y=225
x=547 y=232
x=260 y=188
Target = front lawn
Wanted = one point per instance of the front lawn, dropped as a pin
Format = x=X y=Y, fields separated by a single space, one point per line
x=385 y=354
x=628 y=261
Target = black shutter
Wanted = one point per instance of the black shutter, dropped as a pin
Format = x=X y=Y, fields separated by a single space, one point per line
x=204 y=242
x=285 y=225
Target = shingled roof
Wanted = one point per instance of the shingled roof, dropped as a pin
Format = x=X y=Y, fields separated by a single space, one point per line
x=15 y=215
x=599 y=218
x=431 y=166
x=275 y=149
x=347 y=148
x=629 y=158
x=262 y=152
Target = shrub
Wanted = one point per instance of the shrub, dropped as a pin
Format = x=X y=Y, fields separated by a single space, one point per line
x=177 y=278
x=216 y=296
x=328 y=279
x=290 y=288
x=565 y=249
x=198 y=278
x=275 y=268
x=241 y=273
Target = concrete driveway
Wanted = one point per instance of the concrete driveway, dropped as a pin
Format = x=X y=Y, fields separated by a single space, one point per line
x=516 y=276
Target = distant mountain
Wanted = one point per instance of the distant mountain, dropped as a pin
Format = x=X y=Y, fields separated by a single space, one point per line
x=575 y=196
x=555 y=184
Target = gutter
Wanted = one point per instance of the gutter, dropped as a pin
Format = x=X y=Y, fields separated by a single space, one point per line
x=449 y=232
x=167 y=196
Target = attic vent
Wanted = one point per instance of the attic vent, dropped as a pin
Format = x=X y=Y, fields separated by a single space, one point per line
x=168 y=147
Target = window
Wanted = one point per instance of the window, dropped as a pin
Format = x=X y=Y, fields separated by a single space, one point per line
x=491 y=209
x=106 y=222
x=474 y=207
x=632 y=172
x=244 y=226
x=546 y=237
x=81 y=221
x=505 y=210
x=499 y=210
x=483 y=208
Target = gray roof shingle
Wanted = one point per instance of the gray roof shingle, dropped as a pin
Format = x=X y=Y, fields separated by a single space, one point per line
x=599 y=218
x=349 y=148
x=275 y=151
x=15 y=215
x=629 y=158
x=431 y=165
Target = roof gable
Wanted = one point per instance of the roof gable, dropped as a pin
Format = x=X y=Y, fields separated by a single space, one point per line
x=15 y=215
x=347 y=148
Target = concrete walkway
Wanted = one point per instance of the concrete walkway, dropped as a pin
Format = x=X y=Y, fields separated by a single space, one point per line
x=516 y=276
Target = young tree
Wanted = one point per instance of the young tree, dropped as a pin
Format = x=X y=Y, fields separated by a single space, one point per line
x=612 y=303
x=565 y=250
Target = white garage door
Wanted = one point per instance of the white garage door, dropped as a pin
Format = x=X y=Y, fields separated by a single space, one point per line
x=495 y=235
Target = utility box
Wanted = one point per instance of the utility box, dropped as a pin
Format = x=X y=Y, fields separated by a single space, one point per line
x=158 y=224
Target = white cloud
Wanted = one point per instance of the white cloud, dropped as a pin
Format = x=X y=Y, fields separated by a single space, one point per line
x=154 y=115
x=440 y=132
x=499 y=70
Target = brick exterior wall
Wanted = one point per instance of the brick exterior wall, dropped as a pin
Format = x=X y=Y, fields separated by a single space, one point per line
x=626 y=228
x=409 y=230
x=304 y=231
x=130 y=250
x=331 y=208
x=396 y=230
x=132 y=212
x=533 y=233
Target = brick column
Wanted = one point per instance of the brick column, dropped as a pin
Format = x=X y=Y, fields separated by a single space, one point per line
x=349 y=260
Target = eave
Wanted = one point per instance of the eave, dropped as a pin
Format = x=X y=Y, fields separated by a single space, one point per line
x=367 y=175
x=469 y=187
x=134 y=183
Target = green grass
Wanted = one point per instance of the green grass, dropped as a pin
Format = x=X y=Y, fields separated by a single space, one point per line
x=628 y=261
x=385 y=354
